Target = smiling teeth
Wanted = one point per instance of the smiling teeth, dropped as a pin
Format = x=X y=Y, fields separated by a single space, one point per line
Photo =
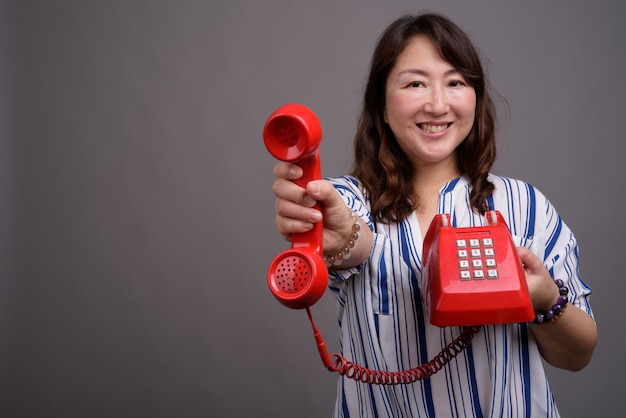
x=433 y=128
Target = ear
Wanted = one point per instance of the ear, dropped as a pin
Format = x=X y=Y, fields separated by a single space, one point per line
x=385 y=116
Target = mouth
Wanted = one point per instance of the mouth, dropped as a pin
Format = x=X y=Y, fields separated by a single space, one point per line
x=433 y=128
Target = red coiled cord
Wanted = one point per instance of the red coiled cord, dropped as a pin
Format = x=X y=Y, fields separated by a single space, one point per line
x=336 y=363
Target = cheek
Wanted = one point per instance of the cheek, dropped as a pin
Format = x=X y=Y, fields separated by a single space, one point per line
x=469 y=106
x=396 y=108
x=465 y=114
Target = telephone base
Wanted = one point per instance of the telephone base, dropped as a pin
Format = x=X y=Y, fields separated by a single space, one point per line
x=473 y=275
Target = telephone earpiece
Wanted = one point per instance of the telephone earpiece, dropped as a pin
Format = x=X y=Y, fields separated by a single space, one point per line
x=298 y=276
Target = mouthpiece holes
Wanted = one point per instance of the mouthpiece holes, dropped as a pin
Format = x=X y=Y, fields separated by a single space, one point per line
x=293 y=274
x=288 y=136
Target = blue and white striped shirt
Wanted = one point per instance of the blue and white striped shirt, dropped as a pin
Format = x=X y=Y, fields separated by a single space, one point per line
x=384 y=326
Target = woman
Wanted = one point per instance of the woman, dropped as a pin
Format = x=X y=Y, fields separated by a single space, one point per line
x=425 y=145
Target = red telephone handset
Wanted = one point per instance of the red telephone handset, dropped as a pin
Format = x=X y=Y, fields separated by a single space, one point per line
x=473 y=275
x=298 y=276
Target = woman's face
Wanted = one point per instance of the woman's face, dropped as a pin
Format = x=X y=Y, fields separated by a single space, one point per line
x=429 y=106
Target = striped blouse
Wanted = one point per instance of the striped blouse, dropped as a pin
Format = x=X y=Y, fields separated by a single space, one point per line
x=383 y=323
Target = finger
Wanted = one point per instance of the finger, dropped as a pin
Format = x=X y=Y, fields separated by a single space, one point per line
x=324 y=192
x=289 y=171
x=294 y=211
x=529 y=260
x=288 y=190
x=288 y=226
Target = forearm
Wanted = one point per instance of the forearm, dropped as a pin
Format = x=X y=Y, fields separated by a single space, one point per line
x=567 y=342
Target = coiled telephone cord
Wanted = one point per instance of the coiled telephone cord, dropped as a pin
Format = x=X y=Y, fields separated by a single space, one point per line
x=336 y=363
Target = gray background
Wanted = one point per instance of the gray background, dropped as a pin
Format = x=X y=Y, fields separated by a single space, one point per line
x=136 y=215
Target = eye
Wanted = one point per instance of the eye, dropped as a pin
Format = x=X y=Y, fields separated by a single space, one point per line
x=457 y=83
x=415 y=84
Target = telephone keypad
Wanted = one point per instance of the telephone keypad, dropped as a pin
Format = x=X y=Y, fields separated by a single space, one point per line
x=480 y=262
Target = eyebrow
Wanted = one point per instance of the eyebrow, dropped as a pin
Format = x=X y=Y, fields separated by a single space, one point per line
x=421 y=72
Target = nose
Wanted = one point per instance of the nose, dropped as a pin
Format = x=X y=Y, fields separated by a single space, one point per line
x=437 y=101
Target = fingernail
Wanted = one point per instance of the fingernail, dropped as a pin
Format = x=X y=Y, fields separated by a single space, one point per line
x=316 y=216
x=293 y=173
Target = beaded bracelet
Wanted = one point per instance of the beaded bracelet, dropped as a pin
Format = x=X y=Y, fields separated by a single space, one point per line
x=557 y=309
x=350 y=244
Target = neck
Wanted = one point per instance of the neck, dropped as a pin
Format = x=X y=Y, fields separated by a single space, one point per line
x=431 y=178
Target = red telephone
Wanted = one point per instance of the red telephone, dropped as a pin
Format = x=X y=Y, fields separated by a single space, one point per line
x=298 y=276
x=473 y=275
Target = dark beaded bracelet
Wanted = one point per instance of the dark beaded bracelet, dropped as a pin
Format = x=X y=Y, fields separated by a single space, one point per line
x=557 y=309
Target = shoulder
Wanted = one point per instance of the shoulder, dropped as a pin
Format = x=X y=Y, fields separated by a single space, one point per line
x=513 y=189
x=504 y=182
x=526 y=209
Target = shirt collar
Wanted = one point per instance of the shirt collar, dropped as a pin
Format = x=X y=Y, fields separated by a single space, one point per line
x=453 y=184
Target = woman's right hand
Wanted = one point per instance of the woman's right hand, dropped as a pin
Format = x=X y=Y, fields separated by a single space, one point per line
x=296 y=212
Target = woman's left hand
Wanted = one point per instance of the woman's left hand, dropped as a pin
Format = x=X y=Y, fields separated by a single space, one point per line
x=543 y=291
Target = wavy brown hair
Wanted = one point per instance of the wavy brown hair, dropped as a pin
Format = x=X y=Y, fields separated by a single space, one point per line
x=384 y=170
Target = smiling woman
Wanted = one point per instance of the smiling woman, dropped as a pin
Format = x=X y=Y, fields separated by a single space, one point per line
x=425 y=145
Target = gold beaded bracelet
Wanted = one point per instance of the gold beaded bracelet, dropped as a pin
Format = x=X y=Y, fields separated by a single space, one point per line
x=349 y=245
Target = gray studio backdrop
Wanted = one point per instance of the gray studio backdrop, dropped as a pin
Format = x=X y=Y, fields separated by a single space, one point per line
x=136 y=211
